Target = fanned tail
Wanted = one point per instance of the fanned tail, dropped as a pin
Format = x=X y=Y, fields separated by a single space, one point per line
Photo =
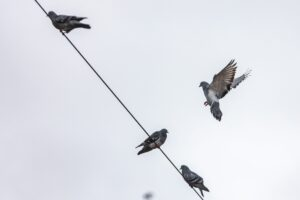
x=215 y=110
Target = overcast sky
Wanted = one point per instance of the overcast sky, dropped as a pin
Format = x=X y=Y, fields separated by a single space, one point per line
x=63 y=136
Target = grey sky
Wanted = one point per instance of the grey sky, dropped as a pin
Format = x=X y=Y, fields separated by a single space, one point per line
x=64 y=137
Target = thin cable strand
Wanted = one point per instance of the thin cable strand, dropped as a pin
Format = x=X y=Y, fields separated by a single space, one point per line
x=114 y=94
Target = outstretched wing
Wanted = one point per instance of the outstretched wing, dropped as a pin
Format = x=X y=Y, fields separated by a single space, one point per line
x=238 y=80
x=222 y=81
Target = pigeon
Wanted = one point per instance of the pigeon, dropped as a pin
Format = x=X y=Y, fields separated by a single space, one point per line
x=193 y=179
x=148 y=195
x=222 y=83
x=67 y=23
x=155 y=140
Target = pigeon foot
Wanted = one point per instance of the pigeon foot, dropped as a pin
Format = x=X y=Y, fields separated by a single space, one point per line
x=205 y=103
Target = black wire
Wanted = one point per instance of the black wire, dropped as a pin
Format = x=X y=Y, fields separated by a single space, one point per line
x=103 y=81
x=41 y=7
x=114 y=94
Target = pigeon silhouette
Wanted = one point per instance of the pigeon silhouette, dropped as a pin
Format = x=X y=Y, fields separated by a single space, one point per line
x=154 y=141
x=222 y=83
x=193 y=179
x=66 y=23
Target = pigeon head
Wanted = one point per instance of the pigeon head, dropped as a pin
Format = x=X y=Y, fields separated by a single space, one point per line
x=164 y=130
x=52 y=14
x=184 y=167
x=204 y=84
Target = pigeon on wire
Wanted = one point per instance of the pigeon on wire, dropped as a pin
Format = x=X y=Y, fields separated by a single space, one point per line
x=154 y=141
x=193 y=179
x=67 y=23
x=222 y=83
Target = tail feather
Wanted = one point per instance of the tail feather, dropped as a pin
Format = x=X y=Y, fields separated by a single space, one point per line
x=140 y=145
x=144 y=150
x=201 y=192
x=80 y=18
x=215 y=110
x=82 y=25
x=201 y=188
x=204 y=188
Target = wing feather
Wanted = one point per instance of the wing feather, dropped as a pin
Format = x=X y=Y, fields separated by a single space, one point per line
x=63 y=18
x=222 y=81
x=238 y=80
x=153 y=138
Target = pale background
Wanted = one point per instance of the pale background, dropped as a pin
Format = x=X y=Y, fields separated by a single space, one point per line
x=64 y=137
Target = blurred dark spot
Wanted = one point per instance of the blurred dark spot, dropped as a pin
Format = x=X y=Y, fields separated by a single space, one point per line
x=148 y=196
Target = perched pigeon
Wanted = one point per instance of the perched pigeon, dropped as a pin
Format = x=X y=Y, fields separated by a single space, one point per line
x=220 y=86
x=155 y=140
x=193 y=179
x=67 y=23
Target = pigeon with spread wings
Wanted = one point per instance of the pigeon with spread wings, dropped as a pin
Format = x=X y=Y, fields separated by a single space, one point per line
x=155 y=140
x=67 y=23
x=222 y=83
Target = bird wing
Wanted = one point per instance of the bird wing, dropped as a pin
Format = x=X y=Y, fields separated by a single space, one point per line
x=63 y=18
x=238 y=80
x=191 y=177
x=222 y=81
x=152 y=138
x=194 y=178
x=79 y=18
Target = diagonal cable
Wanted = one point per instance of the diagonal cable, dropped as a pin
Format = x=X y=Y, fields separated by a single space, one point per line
x=116 y=96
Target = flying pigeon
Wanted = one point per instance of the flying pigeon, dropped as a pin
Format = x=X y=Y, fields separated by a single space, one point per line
x=222 y=83
x=193 y=179
x=155 y=140
x=67 y=23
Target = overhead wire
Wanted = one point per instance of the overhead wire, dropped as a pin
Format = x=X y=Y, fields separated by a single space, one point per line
x=116 y=96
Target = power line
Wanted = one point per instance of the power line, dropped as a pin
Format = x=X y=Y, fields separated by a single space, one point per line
x=114 y=94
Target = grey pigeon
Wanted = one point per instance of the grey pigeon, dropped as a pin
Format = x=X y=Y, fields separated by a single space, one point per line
x=222 y=83
x=193 y=179
x=148 y=195
x=154 y=141
x=67 y=23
